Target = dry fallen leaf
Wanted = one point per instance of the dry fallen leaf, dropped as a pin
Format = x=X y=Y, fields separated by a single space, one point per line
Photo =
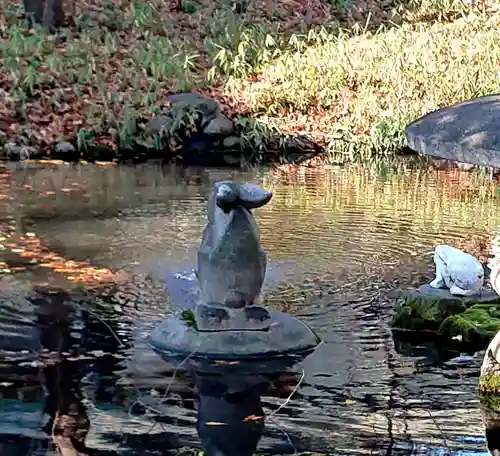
x=253 y=418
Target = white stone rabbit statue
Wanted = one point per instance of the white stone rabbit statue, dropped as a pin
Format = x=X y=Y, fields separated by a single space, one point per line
x=459 y=271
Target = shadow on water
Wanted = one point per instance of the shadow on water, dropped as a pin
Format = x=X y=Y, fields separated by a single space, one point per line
x=74 y=368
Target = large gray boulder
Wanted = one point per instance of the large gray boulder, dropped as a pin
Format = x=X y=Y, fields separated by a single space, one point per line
x=467 y=132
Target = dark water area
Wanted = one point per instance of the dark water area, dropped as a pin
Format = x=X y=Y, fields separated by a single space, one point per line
x=73 y=363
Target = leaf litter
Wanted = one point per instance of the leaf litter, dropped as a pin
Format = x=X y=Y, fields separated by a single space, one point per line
x=119 y=60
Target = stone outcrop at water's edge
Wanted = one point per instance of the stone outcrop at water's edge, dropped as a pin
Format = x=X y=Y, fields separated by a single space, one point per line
x=190 y=129
x=466 y=132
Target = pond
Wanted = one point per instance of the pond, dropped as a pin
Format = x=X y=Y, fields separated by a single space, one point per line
x=340 y=242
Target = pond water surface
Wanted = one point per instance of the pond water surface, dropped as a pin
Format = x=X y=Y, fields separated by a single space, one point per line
x=342 y=239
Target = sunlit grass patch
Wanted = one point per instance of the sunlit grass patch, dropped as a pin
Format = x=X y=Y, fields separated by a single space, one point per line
x=360 y=90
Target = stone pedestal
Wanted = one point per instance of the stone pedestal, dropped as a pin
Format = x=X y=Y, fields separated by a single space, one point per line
x=287 y=337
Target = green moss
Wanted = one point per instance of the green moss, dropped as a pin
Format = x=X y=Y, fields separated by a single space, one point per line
x=475 y=319
x=478 y=324
x=418 y=311
x=490 y=401
x=490 y=383
x=188 y=317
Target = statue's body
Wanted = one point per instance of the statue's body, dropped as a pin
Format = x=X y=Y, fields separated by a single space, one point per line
x=459 y=271
x=231 y=262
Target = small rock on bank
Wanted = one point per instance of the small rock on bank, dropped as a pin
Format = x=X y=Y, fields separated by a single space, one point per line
x=190 y=129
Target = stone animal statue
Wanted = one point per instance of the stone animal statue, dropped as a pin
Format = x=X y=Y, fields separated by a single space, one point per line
x=231 y=262
x=458 y=271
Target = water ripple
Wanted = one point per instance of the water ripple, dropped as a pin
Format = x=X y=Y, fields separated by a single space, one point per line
x=341 y=235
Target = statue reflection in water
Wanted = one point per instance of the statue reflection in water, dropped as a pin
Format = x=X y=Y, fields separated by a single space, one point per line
x=230 y=415
x=231 y=419
x=68 y=425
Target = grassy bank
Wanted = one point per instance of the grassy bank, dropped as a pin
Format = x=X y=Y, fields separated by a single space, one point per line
x=349 y=75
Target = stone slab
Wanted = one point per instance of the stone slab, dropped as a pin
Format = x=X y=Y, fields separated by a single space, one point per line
x=287 y=337
x=486 y=295
x=467 y=132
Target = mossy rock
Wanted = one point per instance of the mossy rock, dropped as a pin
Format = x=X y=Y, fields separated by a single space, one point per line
x=427 y=308
x=489 y=387
x=476 y=325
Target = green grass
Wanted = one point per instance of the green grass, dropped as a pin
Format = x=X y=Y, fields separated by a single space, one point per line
x=360 y=90
x=349 y=80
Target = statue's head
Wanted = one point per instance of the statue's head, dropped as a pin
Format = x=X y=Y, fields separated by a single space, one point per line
x=231 y=262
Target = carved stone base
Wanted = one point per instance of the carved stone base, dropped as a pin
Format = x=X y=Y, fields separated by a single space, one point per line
x=286 y=336
x=218 y=318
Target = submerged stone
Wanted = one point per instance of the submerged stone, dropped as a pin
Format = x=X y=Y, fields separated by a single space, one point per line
x=64 y=149
x=428 y=308
x=13 y=152
x=208 y=107
x=466 y=132
x=158 y=125
x=286 y=336
x=231 y=142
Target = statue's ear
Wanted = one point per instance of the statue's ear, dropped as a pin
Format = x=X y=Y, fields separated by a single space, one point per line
x=252 y=196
